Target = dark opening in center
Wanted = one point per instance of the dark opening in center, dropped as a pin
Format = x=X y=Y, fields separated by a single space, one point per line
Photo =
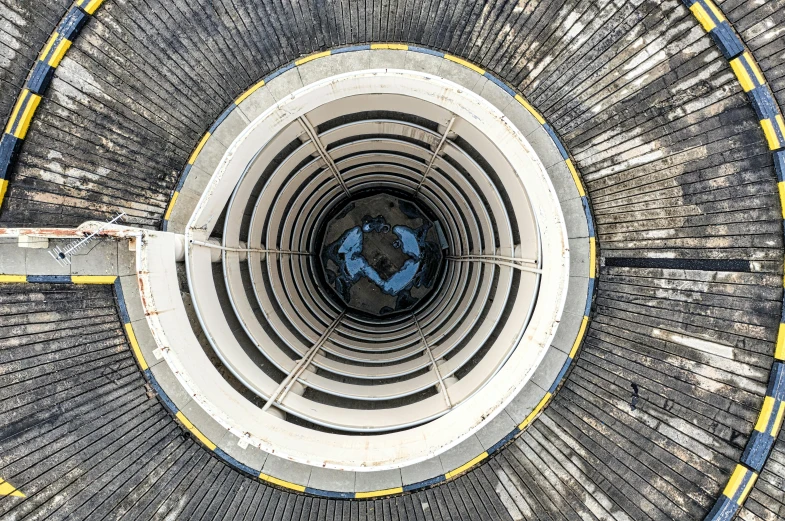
x=381 y=254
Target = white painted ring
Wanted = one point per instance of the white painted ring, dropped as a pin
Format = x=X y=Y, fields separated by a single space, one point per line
x=420 y=443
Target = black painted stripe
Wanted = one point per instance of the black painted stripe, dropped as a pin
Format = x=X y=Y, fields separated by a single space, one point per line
x=739 y=265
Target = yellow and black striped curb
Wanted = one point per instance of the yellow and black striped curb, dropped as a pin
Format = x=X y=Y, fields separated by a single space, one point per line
x=38 y=82
x=759 y=94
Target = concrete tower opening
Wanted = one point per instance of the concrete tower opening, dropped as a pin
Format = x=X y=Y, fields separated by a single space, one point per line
x=372 y=254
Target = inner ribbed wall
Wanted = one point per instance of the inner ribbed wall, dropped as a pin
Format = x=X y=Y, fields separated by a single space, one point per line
x=398 y=362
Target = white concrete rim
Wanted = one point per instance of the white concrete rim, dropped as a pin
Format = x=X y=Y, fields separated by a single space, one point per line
x=407 y=447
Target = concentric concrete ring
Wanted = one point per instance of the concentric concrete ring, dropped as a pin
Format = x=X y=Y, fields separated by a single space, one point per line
x=575 y=215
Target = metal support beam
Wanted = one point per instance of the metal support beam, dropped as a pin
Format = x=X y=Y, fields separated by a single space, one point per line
x=433 y=157
x=302 y=364
x=443 y=387
x=323 y=152
x=509 y=262
x=254 y=250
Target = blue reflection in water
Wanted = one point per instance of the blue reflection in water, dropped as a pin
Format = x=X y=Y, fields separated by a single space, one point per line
x=346 y=253
x=407 y=241
x=354 y=264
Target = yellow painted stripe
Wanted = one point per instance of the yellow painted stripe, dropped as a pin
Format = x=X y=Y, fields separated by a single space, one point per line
x=3 y=188
x=377 y=493
x=459 y=61
x=775 y=429
x=13 y=278
x=714 y=9
x=7 y=489
x=20 y=131
x=57 y=55
x=20 y=103
x=14 y=112
x=755 y=69
x=781 y=186
x=92 y=6
x=469 y=464
x=535 y=412
x=771 y=136
x=49 y=44
x=741 y=73
x=779 y=124
x=171 y=206
x=393 y=46
x=196 y=432
x=735 y=481
x=249 y=92
x=129 y=330
x=198 y=148
x=765 y=414
x=747 y=488
x=312 y=57
x=575 y=177
x=592 y=257
x=779 y=350
x=748 y=82
x=281 y=483
x=530 y=109
x=93 y=279
x=27 y=116
x=702 y=16
x=581 y=332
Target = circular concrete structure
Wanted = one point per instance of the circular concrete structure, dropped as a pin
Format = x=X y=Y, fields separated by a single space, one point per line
x=133 y=386
x=416 y=384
